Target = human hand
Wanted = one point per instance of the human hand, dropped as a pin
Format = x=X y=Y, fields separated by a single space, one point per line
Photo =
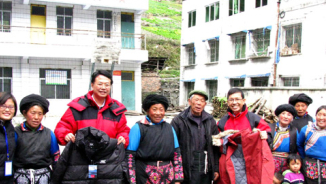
x=70 y=137
x=177 y=182
x=121 y=140
x=263 y=135
x=216 y=175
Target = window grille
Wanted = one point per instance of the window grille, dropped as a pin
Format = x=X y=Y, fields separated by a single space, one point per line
x=104 y=23
x=5 y=16
x=214 y=50
x=189 y=87
x=55 y=83
x=5 y=79
x=236 y=6
x=239 y=42
x=261 y=41
x=291 y=81
x=293 y=38
x=190 y=50
x=237 y=82
x=212 y=88
x=259 y=81
x=64 y=20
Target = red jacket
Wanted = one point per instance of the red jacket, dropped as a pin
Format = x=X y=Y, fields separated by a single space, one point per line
x=257 y=155
x=84 y=112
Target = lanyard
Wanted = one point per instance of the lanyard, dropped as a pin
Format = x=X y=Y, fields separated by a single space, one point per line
x=4 y=128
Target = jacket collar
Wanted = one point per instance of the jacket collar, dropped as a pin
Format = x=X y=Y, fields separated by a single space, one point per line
x=25 y=128
x=187 y=114
x=243 y=111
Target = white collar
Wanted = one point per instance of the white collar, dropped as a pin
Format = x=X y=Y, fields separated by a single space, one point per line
x=100 y=106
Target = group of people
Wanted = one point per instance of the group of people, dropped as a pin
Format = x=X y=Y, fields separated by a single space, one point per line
x=193 y=149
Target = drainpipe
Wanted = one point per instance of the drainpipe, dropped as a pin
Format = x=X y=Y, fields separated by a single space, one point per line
x=276 y=41
x=90 y=78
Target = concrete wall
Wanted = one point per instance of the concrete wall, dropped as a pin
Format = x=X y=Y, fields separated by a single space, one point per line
x=150 y=82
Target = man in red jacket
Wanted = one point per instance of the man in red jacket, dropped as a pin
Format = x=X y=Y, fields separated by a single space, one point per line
x=96 y=109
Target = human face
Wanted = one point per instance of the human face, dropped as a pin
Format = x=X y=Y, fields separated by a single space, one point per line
x=34 y=116
x=156 y=113
x=285 y=118
x=236 y=102
x=197 y=104
x=321 y=119
x=301 y=108
x=295 y=165
x=7 y=110
x=101 y=87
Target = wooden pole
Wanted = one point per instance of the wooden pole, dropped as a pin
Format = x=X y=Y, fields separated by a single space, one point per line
x=276 y=39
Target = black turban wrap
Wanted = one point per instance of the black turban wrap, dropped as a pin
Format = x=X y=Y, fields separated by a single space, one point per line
x=286 y=107
x=153 y=99
x=33 y=99
x=301 y=97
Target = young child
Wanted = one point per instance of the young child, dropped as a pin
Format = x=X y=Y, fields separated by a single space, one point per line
x=278 y=178
x=293 y=174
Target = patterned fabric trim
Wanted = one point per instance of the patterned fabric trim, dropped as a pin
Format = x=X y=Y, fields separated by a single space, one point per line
x=161 y=174
x=147 y=121
x=132 y=169
x=316 y=134
x=280 y=164
x=26 y=129
x=177 y=163
x=297 y=117
x=279 y=137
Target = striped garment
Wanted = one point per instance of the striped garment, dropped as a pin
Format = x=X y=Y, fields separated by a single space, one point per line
x=293 y=178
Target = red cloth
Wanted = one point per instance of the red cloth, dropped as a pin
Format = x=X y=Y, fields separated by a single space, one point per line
x=257 y=155
x=110 y=118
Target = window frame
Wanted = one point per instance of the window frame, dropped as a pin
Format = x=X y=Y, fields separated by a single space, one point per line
x=3 y=28
x=232 y=80
x=211 y=86
x=260 y=80
x=243 y=45
x=208 y=12
x=192 y=18
x=261 y=3
x=258 y=36
x=3 y=77
x=291 y=81
x=292 y=28
x=102 y=33
x=239 y=9
x=191 y=55
x=63 y=31
x=189 y=86
x=214 y=45
x=41 y=78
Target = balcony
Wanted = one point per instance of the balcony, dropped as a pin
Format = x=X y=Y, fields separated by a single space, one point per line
x=70 y=43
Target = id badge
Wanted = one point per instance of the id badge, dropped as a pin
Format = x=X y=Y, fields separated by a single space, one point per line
x=8 y=168
x=92 y=171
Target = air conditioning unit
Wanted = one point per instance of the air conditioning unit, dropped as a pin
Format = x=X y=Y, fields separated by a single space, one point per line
x=105 y=60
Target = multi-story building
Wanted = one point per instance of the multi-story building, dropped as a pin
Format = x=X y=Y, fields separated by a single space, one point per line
x=233 y=43
x=51 y=47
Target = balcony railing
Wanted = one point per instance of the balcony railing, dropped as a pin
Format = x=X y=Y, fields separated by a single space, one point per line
x=70 y=37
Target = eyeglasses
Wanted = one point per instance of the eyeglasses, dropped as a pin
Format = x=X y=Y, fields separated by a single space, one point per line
x=106 y=85
x=4 y=107
x=234 y=100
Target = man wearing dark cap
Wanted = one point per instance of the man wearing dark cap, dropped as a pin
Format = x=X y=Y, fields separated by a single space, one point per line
x=194 y=128
x=96 y=109
x=301 y=102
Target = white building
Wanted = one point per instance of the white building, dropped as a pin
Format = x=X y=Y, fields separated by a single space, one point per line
x=232 y=43
x=48 y=47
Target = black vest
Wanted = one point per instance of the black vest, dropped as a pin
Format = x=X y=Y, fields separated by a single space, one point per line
x=3 y=149
x=156 y=142
x=293 y=137
x=33 y=149
x=301 y=122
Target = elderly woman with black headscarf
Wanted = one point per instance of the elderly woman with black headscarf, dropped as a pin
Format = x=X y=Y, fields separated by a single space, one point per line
x=284 y=136
x=37 y=148
x=301 y=102
x=153 y=152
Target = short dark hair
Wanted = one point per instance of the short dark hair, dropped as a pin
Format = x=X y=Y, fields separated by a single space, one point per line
x=279 y=176
x=235 y=90
x=101 y=72
x=321 y=108
x=4 y=96
x=293 y=156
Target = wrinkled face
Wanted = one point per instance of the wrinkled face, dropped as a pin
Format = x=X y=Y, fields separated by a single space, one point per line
x=301 y=108
x=7 y=110
x=285 y=118
x=236 y=102
x=321 y=119
x=34 y=116
x=197 y=104
x=156 y=113
x=101 y=86
x=295 y=166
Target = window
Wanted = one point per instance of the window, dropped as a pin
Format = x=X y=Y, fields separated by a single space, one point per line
x=104 y=23
x=261 y=40
x=212 y=89
x=5 y=79
x=189 y=87
x=64 y=21
x=291 y=81
x=259 y=81
x=292 y=40
x=260 y=3
x=214 y=49
x=55 y=83
x=5 y=16
x=239 y=42
x=190 y=50
x=236 y=6
x=213 y=12
x=237 y=82
x=191 y=18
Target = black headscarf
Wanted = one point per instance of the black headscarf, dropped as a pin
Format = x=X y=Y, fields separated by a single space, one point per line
x=286 y=107
x=33 y=99
x=300 y=97
x=153 y=99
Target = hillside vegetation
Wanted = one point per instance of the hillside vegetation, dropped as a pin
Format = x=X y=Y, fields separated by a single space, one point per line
x=162 y=26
